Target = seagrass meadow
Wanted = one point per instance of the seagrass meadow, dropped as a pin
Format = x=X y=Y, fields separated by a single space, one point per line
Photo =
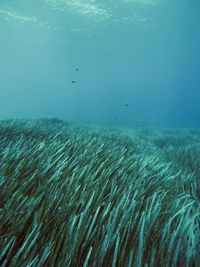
x=74 y=195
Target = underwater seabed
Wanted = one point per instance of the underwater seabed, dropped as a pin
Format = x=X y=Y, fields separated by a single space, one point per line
x=88 y=196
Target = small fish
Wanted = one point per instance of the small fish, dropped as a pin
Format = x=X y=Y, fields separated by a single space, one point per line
x=115 y=118
x=73 y=81
x=76 y=69
x=126 y=105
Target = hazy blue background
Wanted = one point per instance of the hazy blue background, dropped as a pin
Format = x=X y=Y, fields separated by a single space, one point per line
x=140 y=53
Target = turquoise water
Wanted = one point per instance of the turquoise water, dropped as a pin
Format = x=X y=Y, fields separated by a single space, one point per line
x=116 y=63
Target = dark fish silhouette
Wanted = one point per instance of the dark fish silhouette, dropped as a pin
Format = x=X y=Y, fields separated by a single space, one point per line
x=73 y=81
x=126 y=105
x=115 y=118
x=76 y=69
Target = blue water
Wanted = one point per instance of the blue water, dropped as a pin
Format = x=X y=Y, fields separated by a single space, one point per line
x=133 y=62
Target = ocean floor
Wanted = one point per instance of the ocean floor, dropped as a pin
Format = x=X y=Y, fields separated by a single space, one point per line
x=74 y=195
